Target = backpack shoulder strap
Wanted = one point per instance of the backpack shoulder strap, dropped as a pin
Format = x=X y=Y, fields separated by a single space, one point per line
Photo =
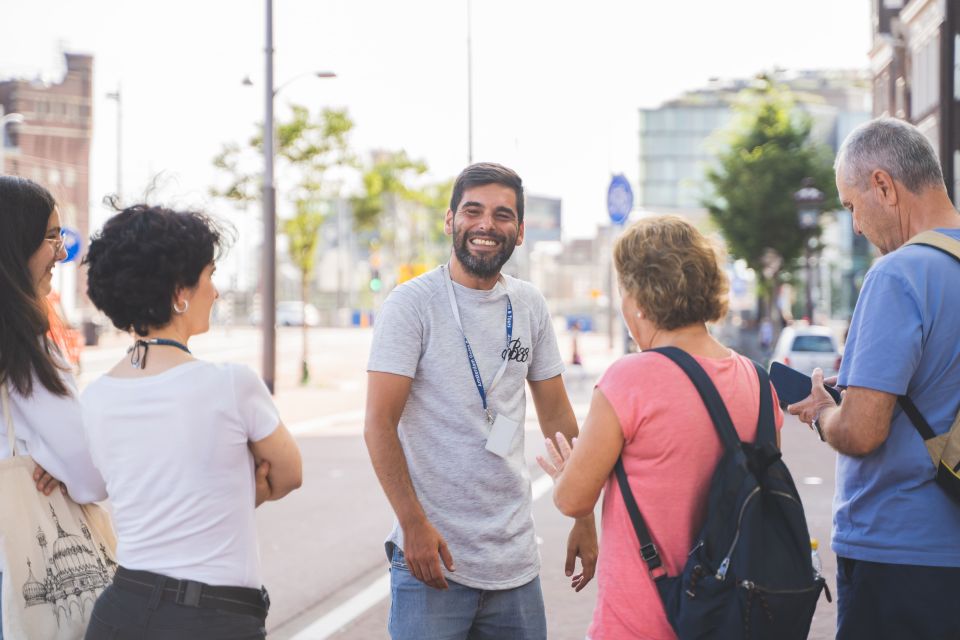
x=939 y=241
x=648 y=550
x=766 y=426
x=951 y=247
x=708 y=393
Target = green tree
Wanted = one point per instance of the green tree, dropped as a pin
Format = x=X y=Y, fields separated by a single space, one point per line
x=770 y=154
x=386 y=182
x=307 y=149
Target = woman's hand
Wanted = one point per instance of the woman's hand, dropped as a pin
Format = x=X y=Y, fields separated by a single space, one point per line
x=46 y=483
x=559 y=454
x=262 y=483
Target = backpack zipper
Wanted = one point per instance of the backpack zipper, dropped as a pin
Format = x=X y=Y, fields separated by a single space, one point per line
x=725 y=565
x=749 y=585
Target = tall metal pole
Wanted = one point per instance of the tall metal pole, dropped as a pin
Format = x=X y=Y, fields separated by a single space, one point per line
x=118 y=97
x=469 y=87
x=269 y=219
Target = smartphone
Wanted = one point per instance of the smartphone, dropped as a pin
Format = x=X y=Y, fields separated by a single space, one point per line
x=793 y=386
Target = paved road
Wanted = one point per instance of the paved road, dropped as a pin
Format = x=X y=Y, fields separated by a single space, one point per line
x=322 y=547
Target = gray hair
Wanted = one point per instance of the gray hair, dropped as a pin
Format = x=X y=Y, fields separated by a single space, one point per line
x=895 y=146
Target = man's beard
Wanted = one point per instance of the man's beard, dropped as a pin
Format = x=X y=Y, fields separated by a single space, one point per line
x=487 y=265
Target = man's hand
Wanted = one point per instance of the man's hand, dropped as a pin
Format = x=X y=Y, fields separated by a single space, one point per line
x=423 y=547
x=582 y=542
x=46 y=483
x=262 y=483
x=810 y=407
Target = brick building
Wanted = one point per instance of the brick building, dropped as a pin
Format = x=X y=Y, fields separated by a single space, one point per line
x=52 y=145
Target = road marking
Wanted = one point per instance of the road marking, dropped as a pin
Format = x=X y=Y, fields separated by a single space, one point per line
x=345 y=613
x=352 y=418
x=812 y=480
x=376 y=591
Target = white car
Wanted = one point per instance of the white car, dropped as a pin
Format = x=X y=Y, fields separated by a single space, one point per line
x=805 y=348
x=296 y=313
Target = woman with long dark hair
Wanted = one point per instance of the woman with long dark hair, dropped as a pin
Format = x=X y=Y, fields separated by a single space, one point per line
x=43 y=399
x=178 y=440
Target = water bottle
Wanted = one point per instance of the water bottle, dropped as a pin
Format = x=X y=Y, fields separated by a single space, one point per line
x=815 y=557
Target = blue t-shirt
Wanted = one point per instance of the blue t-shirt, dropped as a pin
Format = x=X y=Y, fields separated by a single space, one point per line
x=904 y=338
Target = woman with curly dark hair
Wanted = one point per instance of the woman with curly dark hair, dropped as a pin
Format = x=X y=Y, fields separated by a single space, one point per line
x=187 y=448
x=36 y=382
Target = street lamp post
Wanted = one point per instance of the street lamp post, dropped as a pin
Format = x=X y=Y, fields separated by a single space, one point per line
x=269 y=316
x=116 y=95
x=10 y=118
x=809 y=201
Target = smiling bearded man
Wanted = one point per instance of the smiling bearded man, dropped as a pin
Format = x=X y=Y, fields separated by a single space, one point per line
x=453 y=351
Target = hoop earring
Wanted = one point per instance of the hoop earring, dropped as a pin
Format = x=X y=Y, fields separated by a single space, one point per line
x=186 y=305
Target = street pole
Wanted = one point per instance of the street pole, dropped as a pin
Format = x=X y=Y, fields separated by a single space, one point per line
x=268 y=315
x=469 y=88
x=10 y=118
x=809 y=261
x=116 y=95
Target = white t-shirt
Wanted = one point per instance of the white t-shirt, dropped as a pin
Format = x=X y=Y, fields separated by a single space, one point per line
x=50 y=430
x=173 y=451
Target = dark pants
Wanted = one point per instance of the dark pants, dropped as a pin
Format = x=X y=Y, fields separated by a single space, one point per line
x=122 y=615
x=877 y=601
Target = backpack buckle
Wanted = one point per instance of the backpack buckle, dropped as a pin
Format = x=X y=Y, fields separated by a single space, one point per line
x=649 y=552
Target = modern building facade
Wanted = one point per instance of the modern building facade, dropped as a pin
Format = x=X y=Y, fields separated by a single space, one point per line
x=682 y=139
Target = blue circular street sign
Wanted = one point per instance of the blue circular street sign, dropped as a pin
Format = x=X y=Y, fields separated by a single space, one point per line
x=619 y=199
x=71 y=242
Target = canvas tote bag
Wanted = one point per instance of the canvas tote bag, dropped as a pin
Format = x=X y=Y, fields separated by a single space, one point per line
x=57 y=555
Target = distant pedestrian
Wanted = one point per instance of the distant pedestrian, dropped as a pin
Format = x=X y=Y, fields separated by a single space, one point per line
x=895 y=531
x=178 y=440
x=43 y=401
x=766 y=335
x=575 y=358
x=453 y=351
x=645 y=409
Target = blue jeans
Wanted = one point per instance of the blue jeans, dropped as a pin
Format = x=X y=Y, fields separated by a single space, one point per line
x=122 y=615
x=878 y=601
x=419 y=612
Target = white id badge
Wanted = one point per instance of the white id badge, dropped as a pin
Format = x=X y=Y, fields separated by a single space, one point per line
x=501 y=435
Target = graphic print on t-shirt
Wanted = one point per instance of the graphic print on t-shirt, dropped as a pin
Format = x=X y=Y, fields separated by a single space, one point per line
x=516 y=351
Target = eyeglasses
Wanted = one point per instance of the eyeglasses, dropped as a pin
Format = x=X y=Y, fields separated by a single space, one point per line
x=55 y=238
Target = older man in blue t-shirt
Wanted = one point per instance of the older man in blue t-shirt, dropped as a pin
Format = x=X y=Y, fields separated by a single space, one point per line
x=896 y=532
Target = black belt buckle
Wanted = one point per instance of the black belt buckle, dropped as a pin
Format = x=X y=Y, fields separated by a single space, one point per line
x=188 y=593
x=265 y=598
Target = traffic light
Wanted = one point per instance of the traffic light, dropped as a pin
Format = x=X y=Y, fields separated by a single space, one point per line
x=375 y=282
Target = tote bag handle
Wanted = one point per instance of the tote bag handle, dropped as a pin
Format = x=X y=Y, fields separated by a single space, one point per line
x=8 y=419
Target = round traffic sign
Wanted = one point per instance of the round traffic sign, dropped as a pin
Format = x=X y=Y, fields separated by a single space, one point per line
x=619 y=199
x=71 y=243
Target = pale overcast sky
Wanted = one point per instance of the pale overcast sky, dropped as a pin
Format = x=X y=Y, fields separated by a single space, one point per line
x=557 y=84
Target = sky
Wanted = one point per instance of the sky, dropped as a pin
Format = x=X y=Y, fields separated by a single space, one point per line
x=556 y=84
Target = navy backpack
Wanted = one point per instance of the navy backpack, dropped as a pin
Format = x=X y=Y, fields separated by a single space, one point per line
x=749 y=574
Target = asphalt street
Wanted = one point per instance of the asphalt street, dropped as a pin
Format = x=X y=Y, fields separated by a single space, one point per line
x=322 y=546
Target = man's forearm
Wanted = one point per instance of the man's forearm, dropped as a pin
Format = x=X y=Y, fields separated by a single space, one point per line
x=390 y=465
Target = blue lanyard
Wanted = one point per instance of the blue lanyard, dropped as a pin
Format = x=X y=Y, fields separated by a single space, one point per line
x=474 y=368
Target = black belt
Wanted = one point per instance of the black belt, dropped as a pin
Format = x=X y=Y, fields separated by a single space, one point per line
x=190 y=593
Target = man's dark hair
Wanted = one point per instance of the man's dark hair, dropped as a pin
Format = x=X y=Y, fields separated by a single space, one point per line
x=25 y=349
x=140 y=259
x=481 y=173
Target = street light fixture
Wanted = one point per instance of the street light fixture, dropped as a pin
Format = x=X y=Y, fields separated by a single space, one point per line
x=10 y=118
x=809 y=202
x=269 y=315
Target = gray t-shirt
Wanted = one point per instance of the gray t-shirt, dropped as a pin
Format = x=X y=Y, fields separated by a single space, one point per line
x=478 y=501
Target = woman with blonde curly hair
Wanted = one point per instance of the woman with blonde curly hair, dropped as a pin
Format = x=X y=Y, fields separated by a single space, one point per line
x=645 y=409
